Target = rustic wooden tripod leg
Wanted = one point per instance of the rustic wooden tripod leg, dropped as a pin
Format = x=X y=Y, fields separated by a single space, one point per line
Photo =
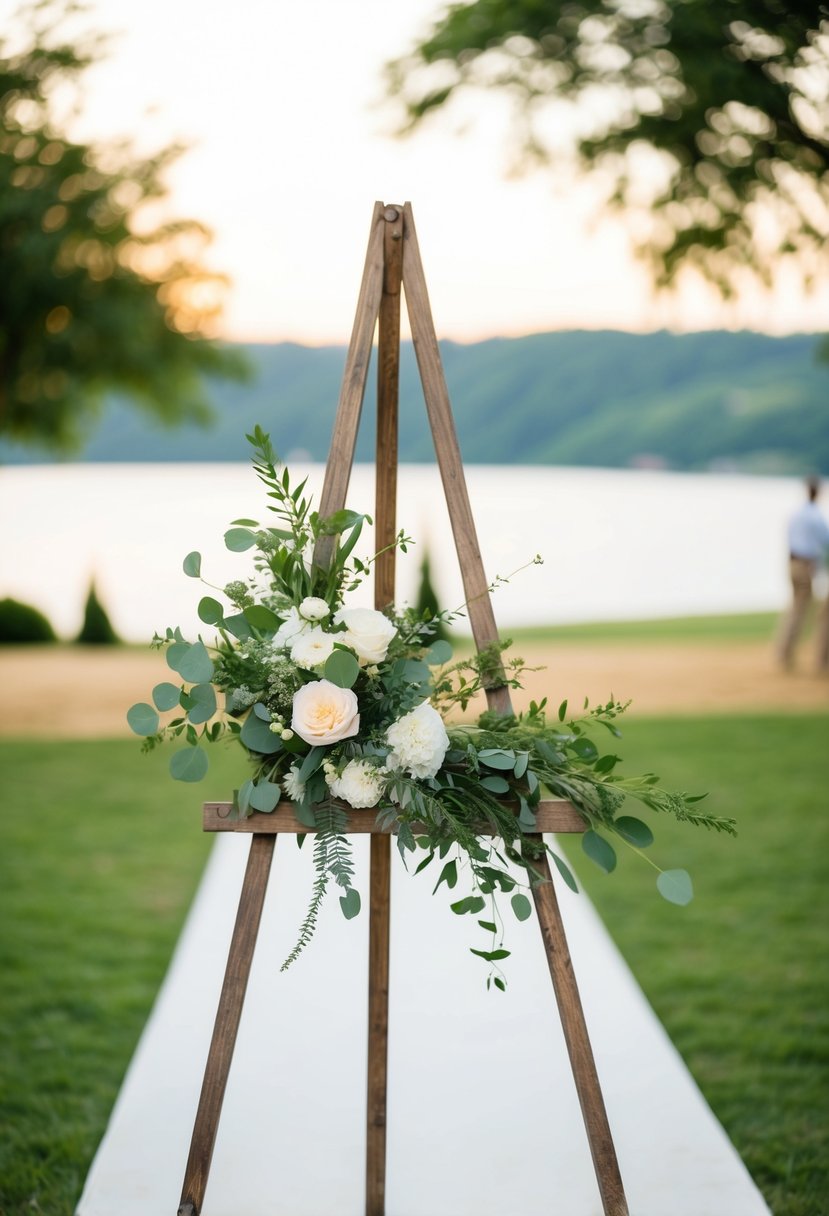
x=388 y=376
x=378 y=1025
x=226 y=1025
x=447 y=450
x=578 y=1045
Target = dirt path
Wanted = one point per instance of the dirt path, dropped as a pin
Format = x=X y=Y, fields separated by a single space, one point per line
x=78 y=692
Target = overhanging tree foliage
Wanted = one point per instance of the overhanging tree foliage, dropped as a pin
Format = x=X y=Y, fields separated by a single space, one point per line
x=709 y=121
x=94 y=296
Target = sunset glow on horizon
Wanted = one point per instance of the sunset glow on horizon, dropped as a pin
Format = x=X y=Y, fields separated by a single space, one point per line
x=290 y=146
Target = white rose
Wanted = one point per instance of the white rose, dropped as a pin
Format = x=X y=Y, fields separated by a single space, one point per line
x=360 y=784
x=313 y=608
x=311 y=649
x=324 y=713
x=289 y=630
x=367 y=632
x=418 y=741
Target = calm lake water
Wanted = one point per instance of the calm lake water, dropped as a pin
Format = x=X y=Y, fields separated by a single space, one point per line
x=616 y=544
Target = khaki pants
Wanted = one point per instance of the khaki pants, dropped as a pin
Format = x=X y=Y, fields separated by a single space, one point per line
x=801 y=573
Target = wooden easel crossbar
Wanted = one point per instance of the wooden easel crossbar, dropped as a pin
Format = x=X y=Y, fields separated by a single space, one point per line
x=392 y=261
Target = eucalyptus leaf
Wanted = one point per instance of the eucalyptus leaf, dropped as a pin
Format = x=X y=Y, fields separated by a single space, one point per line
x=265 y=796
x=176 y=652
x=565 y=871
x=350 y=903
x=243 y=797
x=599 y=850
x=195 y=666
x=634 y=831
x=257 y=736
x=238 y=626
x=189 y=764
x=143 y=719
x=342 y=669
x=261 y=618
x=675 y=886
x=239 y=539
x=192 y=565
x=202 y=703
x=495 y=785
x=497 y=758
x=210 y=610
x=439 y=652
x=165 y=696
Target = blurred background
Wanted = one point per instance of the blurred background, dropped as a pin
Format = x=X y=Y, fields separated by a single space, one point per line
x=623 y=210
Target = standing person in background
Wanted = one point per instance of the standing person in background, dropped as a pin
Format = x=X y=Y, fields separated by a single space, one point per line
x=808 y=549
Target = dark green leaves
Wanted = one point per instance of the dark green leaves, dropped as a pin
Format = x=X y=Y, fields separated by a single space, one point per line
x=192 y=565
x=472 y=903
x=449 y=875
x=261 y=618
x=143 y=719
x=634 y=831
x=210 y=611
x=599 y=850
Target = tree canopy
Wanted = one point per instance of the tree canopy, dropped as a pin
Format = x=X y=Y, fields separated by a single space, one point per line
x=709 y=122
x=95 y=296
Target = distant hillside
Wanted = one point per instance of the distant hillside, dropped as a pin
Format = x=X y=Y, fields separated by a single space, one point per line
x=687 y=401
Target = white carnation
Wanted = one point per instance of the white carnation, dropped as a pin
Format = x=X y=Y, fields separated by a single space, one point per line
x=367 y=632
x=311 y=649
x=360 y=784
x=289 y=630
x=291 y=784
x=418 y=741
x=313 y=608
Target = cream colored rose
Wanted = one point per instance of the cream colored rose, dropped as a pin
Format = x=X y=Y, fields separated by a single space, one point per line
x=324 y=713
x=311 y=649
x=367 y=632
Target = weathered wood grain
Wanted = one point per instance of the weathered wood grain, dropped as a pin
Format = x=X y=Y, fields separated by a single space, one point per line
x=553 y=816
x=578 y=1045
x=226 y=1025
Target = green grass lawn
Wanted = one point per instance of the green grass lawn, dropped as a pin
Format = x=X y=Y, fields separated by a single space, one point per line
x=734 y=627
x=101 y=855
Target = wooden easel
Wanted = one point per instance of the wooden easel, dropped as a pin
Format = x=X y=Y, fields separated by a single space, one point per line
x=393 y=259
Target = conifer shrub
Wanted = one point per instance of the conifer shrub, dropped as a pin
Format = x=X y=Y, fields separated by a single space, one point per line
x=427 y=599
x=97 y=628
x=23 y=623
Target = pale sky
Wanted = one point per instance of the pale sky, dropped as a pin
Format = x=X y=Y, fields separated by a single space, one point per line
x=283 y=105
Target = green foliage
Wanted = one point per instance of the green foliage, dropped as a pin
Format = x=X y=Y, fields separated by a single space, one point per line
x=96 y=629
x=23 y=623
x=364 y=692
x=93 y=298
x=693 y=401
x=703 y=119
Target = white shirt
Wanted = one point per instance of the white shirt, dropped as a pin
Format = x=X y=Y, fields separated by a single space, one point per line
x=808 y=533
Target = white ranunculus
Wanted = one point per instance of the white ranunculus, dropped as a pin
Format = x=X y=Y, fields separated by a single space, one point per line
x=367 y=632
x=311 y=649
x=324 y=713
x=289 y=630
x=291 y=784
x=418 y=741
x=313 y=608
x=360 y=784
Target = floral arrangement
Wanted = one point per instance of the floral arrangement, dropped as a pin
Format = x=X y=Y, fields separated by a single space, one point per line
x=342 y=707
